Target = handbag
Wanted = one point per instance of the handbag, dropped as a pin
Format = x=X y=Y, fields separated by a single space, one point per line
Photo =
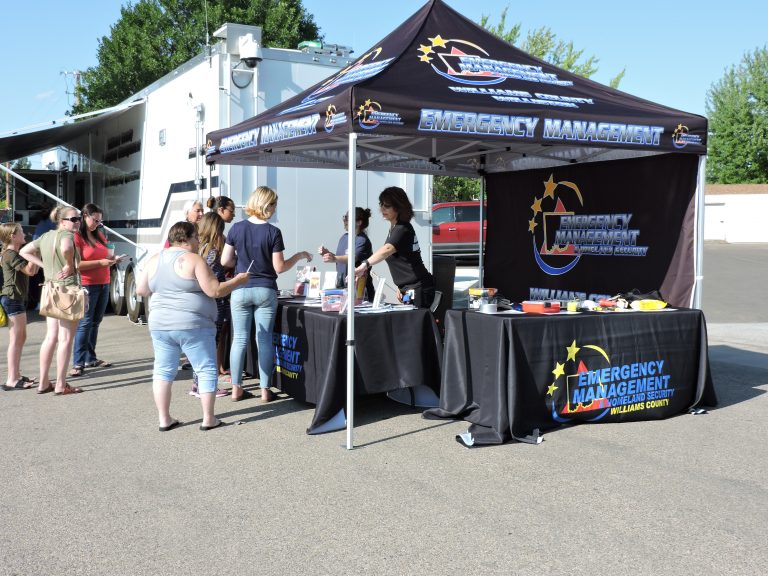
x=63 y=302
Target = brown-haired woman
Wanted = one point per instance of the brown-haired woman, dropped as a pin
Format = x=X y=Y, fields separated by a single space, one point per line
x=182 y=319
x=56 y=254
x=223 y=206
x=95 y=263
x=401 y=250
x=363 y=249
x=210 y=230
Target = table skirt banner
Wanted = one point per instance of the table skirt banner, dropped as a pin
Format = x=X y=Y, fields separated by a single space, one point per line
x=512 y=375
x=392 y=350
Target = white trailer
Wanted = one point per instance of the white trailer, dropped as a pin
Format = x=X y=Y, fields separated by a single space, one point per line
x=145 y=160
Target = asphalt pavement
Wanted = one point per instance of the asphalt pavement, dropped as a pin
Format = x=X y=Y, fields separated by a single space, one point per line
x=90 y=487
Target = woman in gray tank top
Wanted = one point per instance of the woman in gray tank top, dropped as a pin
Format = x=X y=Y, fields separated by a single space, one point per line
x=182 y=319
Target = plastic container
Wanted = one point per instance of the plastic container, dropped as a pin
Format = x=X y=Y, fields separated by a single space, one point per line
x=541 y=306
x=332 y=300
x=480 y=296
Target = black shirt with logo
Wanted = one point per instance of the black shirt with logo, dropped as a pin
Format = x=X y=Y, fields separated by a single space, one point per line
x=405 y=265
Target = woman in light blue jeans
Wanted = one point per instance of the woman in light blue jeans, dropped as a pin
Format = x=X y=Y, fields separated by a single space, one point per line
x=256 y=246
x=250 y=305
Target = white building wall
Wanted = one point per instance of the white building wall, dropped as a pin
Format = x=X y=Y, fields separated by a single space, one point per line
x=736 y=217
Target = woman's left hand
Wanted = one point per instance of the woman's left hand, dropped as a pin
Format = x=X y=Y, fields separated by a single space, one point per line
x=65 y=272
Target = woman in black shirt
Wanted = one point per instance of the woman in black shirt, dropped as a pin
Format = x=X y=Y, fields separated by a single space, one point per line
x=401 y=251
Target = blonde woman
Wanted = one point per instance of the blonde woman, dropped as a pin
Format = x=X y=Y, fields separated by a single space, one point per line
x=55 y=253
x=256 y=246
x=16 y=273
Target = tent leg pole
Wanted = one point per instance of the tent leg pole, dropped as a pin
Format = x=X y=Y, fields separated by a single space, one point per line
x=699 y=235
x=351 y=293
x=480 y=260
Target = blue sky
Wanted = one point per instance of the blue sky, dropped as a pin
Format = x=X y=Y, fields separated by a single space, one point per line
x=673 y=51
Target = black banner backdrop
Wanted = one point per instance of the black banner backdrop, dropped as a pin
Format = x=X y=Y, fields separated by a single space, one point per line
x=593 y=230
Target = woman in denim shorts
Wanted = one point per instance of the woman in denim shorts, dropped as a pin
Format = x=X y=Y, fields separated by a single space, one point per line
x=16 y=273
x=182 y=318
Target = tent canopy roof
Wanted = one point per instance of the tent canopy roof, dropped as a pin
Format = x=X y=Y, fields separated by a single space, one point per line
x=441 y=95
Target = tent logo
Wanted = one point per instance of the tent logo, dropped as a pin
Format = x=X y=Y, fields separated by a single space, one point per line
x=543 y=243
x=467 y=63
x=574 y=396
x=561 y=235
x=333 y=118
x=587 y=386
x=369 y=116
x=681 y=137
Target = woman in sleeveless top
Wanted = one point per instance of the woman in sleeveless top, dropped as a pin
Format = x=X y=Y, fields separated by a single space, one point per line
x=55 y=253
x=182 y=318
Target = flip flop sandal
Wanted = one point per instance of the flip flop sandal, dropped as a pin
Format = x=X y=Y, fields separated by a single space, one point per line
x=76 y=371
x=28 y=379
x=20 y=384
x=99 y=364
x=68 y=390
x=49 y=389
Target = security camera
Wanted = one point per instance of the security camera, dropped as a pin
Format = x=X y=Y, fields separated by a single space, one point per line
x=250 y=51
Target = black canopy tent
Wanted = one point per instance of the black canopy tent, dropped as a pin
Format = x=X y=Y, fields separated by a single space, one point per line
x=440 y=95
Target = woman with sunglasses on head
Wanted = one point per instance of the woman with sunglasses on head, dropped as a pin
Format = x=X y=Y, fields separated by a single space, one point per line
x=95 y=263
x=256 y=246
x=56 y=254
x=401 y=251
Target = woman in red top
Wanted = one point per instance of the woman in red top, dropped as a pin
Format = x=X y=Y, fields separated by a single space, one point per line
x=95 y=262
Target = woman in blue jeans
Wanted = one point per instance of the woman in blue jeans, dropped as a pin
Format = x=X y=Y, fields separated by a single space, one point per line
x=256 y=246
x=95 y=263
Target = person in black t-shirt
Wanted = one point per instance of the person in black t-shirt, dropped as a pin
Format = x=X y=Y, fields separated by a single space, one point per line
x=401 y=251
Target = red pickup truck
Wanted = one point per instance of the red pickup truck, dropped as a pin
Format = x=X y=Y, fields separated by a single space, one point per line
x=456 y=229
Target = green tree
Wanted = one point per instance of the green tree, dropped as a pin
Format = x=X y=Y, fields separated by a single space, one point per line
x=152 y=37
x=542 y=43
x=737 y=107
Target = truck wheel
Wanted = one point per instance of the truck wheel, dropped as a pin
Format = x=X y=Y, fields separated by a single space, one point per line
x=117 y=301
x=132 y=302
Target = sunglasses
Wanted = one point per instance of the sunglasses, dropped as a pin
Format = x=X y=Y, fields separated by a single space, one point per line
x=74 y=218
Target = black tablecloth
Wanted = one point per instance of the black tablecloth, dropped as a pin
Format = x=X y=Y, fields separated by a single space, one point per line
x=512 y=376
x=392 y=350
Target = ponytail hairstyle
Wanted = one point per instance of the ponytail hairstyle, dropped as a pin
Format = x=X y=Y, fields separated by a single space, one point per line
x=85 y=234
x=364 y=215
x=216 y=203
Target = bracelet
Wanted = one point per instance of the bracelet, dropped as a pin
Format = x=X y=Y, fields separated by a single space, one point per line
x=367 y=264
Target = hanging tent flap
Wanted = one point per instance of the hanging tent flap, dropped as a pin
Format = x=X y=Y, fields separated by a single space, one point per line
x=594 y=230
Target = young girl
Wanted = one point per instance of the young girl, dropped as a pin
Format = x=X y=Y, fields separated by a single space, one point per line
x=16 y=272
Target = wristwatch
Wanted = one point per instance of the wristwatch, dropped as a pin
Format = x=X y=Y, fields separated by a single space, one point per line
x=367 y=264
